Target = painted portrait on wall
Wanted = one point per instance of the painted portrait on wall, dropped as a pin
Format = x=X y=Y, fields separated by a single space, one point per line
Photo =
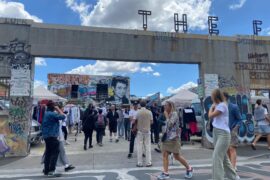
x=119 y=90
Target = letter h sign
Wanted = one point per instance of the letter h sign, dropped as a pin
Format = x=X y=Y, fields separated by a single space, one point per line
x=178 y=23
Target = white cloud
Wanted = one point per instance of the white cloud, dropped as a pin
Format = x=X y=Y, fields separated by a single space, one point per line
x=147 y=69
x=110 y=68
x=238 y=5
x=15 y=10
x=81 y=8
x=156 y=74
x=40 y=83
x=172 y=90
x=153 y=64
x=266 y=31
x=124 y=13
x=40 y=61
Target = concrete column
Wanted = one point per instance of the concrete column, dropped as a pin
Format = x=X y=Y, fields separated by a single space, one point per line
x=18 y=122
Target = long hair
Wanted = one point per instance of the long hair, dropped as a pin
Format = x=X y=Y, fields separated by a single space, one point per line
x=171 y=104
x=217 y=96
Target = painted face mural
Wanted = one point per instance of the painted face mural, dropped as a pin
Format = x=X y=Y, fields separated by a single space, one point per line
x=120 y=90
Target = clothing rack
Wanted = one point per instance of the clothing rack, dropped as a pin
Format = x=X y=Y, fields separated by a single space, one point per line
x=189 y=124
x=73 y=118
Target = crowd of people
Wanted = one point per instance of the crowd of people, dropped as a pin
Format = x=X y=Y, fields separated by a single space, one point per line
x=143 y=126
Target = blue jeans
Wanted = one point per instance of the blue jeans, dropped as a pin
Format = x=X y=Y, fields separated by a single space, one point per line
x=120 y=128
x=264 y=129
x=127 y=128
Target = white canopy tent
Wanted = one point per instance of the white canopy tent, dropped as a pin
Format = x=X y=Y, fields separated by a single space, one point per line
x=183 y=98
x=41 y=93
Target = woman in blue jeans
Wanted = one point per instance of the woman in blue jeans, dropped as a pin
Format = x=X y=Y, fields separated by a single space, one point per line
x=50 y=133
x=222 y=137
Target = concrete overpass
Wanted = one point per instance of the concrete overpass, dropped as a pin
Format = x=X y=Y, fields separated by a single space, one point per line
x=238 y=63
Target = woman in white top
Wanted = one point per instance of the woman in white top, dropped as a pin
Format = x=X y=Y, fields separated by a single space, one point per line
x=221 y=135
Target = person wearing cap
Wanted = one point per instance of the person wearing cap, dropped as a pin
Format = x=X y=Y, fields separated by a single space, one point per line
x=133 y=133
x=50 y=133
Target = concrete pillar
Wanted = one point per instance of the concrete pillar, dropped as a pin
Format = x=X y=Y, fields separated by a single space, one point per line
x=16 y=126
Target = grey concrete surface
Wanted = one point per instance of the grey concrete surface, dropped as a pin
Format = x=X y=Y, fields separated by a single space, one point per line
x=110 y=162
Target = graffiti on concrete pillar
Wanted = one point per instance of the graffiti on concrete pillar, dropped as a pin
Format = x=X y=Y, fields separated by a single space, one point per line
x=246 y=129
x=231 y=86
x=19 y=109
x=15 y=125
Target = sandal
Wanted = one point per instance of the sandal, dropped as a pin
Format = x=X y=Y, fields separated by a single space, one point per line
x=253 y=147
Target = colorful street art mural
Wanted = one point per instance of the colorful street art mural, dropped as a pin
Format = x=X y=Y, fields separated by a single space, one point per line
x=113 y=89
x=15 y=114
x=13 y=138
x=246 y=129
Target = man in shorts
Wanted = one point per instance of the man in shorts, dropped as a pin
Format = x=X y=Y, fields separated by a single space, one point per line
x=234 y=124
x=263 y=121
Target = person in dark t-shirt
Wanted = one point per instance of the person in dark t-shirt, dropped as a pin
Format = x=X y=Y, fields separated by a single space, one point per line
x=112 y=118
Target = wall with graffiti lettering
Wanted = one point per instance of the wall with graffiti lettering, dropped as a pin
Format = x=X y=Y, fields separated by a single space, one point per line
x=246 y=129
x=114 y=89
x=15 y=114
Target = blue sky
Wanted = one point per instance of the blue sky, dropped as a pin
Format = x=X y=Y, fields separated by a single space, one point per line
x=235 y=18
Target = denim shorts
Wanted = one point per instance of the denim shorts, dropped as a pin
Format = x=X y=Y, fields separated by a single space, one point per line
x=264 y=129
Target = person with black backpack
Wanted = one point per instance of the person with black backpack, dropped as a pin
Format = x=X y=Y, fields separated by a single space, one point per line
x=100 y=126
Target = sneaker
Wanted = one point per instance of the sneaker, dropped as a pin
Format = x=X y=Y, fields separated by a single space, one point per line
x=67 y=143
x=54 y=174
x=45 y=174
x=189 y=173
x=117 y=140
x=139 y=165
x=163 y=176
x=84 y=147
x=70 y=167
x=253 y=146
x=129 y=156
x=90 y=147
x=100 y=144
x=149 y=165
x=157 y=150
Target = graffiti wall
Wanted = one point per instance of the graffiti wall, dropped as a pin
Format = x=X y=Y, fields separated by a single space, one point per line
x=246 y=130
x=114 y=89
x=15 y=114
